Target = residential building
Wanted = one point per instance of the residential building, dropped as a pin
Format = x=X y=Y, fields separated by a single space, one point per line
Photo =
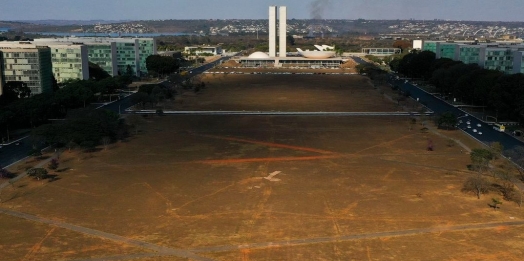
x=28 y=63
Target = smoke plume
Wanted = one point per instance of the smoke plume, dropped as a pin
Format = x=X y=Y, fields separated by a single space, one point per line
x=318 y=7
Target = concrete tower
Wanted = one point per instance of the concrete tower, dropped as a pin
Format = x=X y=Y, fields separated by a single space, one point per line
x=272 y=31
x=282 y=29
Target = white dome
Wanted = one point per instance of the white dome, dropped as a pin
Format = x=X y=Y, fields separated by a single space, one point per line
x=258 y=55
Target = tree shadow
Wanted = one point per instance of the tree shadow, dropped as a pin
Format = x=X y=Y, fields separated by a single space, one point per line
x=52 y=178
x=89 y=150
x=493 y=206
x=63 y=169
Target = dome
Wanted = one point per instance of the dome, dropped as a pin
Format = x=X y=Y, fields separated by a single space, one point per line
x=258 y=55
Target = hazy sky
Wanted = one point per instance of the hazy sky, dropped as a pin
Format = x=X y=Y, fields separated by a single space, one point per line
x=485 y=10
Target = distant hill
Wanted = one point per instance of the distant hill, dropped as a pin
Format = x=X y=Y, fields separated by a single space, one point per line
x=71 y=22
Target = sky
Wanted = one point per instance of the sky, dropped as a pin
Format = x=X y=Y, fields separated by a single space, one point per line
x=478 y=10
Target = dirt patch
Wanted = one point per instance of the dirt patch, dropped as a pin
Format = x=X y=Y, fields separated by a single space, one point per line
x=209 y=183
x=309 y=93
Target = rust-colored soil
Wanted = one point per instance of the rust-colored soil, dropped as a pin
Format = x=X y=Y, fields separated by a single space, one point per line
x=266 y=188
x=292 y=92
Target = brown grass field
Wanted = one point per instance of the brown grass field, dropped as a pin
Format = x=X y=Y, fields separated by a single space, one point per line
x=264 y=187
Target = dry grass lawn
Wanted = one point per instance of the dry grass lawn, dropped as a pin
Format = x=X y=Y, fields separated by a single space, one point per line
x=201 y=183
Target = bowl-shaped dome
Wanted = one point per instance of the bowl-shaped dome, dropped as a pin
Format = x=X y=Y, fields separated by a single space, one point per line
x=258 y=55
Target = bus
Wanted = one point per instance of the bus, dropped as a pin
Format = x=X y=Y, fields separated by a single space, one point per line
x=499 y=127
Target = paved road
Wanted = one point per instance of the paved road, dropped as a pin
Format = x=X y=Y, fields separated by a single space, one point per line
x=358 y=60
x=439 y=106
x=12 y=153
x=282 y=113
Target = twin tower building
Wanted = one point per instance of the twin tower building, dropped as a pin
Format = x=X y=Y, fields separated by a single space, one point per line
x=282 y=31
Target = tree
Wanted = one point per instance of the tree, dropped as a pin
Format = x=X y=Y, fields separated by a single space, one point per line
x=105 y=141
x=447 y=120
x=140 y=98
x=476 y=184
x=516 y=155
x=13 y=91
x=6 y=117
x=505 y=185
x=38 y=173
x=290 y=40
x=495 y=202
x=96 y=72
x=402 y=44
x=6 y=174
x=480 y=159
x=53 y=164
x=162 y=64
x=84 y=94
x=129 y=71
x=496 y=149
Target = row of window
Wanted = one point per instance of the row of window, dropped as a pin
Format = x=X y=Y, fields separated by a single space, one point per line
x=20 y=55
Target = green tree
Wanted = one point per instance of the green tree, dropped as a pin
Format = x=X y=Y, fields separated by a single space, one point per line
x=480 y=159
x=495 y=202
x=96 y=72
x=447 y=120
x=13 y=91
x=162 y=65
x=38 y=173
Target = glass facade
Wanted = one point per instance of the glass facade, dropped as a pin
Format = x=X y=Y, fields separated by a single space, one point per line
x=67 y=62
x=29 y=65
x=447 y=50
x=126 y=56
x=430 y=46
x=469 y=55
x=146 y=48
x=102 y=55
x=499 y=59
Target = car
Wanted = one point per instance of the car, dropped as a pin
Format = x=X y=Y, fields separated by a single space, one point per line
x=468 y=122
x=460 y=121
x=474 y=130
x=480 y=133
x=478 y=125
x=469 y=126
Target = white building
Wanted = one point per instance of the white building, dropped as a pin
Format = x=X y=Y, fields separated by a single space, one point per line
x=203 y=49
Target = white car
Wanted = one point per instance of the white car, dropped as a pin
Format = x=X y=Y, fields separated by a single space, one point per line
x=469 y=126
x=474 y=130
x=478 y=125
x=480 y=133
x=468 y=122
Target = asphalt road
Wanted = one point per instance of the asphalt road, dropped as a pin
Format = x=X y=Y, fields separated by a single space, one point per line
x=12 y=153
x=485 y=133
x=358 y=60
